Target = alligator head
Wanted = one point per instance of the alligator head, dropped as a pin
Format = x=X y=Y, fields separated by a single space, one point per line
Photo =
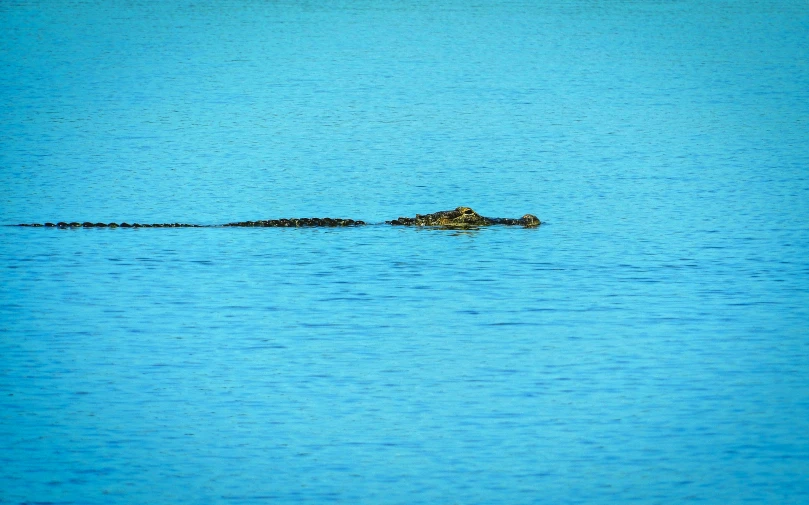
x=463 y=217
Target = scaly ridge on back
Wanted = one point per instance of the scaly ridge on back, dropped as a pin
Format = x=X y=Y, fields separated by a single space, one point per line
x=88 y=224
x=304 y=222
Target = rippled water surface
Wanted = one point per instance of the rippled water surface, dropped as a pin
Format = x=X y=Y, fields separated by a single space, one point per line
x=648 y=344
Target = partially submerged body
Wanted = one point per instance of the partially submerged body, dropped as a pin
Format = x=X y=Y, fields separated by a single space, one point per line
x=461 y=217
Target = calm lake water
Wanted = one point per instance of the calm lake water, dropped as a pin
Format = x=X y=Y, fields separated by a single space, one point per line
x=648 y=344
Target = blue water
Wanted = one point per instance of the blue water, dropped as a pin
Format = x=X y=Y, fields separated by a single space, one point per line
x=648 y=344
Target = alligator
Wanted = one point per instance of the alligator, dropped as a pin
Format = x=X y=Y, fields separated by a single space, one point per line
x=461 y=217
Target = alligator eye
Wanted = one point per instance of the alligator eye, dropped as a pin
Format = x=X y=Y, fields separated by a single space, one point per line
x=531 y=220
x=468 y=211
